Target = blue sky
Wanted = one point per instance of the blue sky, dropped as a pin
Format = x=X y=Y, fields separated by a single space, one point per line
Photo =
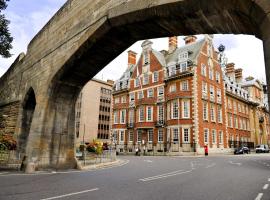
x=29 y=16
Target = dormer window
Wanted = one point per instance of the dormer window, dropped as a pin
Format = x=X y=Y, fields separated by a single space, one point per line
x=183 y=66
x=183 y=56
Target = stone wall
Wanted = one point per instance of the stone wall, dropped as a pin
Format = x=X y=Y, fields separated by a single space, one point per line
x=8 y=117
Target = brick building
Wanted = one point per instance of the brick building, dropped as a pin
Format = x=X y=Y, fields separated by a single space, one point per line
x=171 y=101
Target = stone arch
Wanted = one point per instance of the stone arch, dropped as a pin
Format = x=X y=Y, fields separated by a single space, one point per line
x=122 y=26
x=28 y=108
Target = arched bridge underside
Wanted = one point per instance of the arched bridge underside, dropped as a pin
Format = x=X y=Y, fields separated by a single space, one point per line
x=84 y=36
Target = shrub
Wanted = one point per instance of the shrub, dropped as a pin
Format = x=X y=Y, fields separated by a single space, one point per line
x=7 y=142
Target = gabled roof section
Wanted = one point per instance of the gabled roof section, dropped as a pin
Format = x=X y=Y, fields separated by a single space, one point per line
x=194 y=48
x=160 y=57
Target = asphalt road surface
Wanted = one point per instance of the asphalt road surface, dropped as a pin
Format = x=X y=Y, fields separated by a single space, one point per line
x=150 y=178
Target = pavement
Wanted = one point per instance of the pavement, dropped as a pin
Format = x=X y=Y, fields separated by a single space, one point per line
x=230 y=177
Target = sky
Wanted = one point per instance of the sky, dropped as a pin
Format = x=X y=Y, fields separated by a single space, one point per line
x=29 y=16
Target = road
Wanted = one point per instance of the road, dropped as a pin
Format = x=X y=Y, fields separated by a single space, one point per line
x=150 y=178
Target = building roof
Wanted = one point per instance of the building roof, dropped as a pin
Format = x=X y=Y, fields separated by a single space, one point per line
x=194 y=49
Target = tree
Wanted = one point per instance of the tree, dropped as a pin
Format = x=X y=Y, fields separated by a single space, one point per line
x=5 y=36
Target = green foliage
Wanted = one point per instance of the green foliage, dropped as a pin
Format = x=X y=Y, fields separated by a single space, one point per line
x=7 y=142
x=5 y=36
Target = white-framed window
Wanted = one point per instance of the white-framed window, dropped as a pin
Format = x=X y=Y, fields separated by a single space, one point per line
x=240 y=123
x=175 y=135
x=211 y=74
x=212 y=92
x=155 y=77
x=122 y=116
x=131 y=116
x=229 y=103
x=130 y=136
x=214 y=136
x=229 y=120
x=203 y=70
x=235 y=119
x=131 y=97
x=115 y=136
x=184 y=85
x=239 y=107
x=149 y=116
x=137 y=82
x=175 y=109
x=123 y=99
x=217 y=77
x=145 y=79
x=205 y=110
x=219 y=95
x=160 y=112
x=150 y=135
x=150 y=93
x=234 y=107
x=139 y=136
x=115 y=117
x=160 y=91
x=160 y=135
x=141 y=114
x=140 y=95
x=212 y=113
x=183 y=56
x=185 y=135
x=121 y=136
x=117 y=100
x=173 y=87
x=220 y=137
x=185 y=109
x=206 y=136
x=183 y=66
x=219 y=110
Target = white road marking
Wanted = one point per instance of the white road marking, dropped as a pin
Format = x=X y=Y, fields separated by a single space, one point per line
x=233 y=163
x=259 y=196
x=175 y=173
x=71 y=194
x=265 y=186
x=269 y=179
x=150 y=161
x=212 y=165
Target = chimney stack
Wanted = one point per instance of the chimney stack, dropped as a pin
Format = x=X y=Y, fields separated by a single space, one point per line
x=230 y=72
x=190 y=39
x=172 y=43
x=238 y=75
x=131 y=58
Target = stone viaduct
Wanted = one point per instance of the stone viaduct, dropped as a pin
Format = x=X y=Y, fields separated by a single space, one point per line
x=38 y=92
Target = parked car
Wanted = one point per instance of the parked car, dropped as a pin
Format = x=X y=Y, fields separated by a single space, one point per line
x=262 y=148
x=241 y=150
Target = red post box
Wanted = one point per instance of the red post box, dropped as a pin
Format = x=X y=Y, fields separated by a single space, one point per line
x=206 y=150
